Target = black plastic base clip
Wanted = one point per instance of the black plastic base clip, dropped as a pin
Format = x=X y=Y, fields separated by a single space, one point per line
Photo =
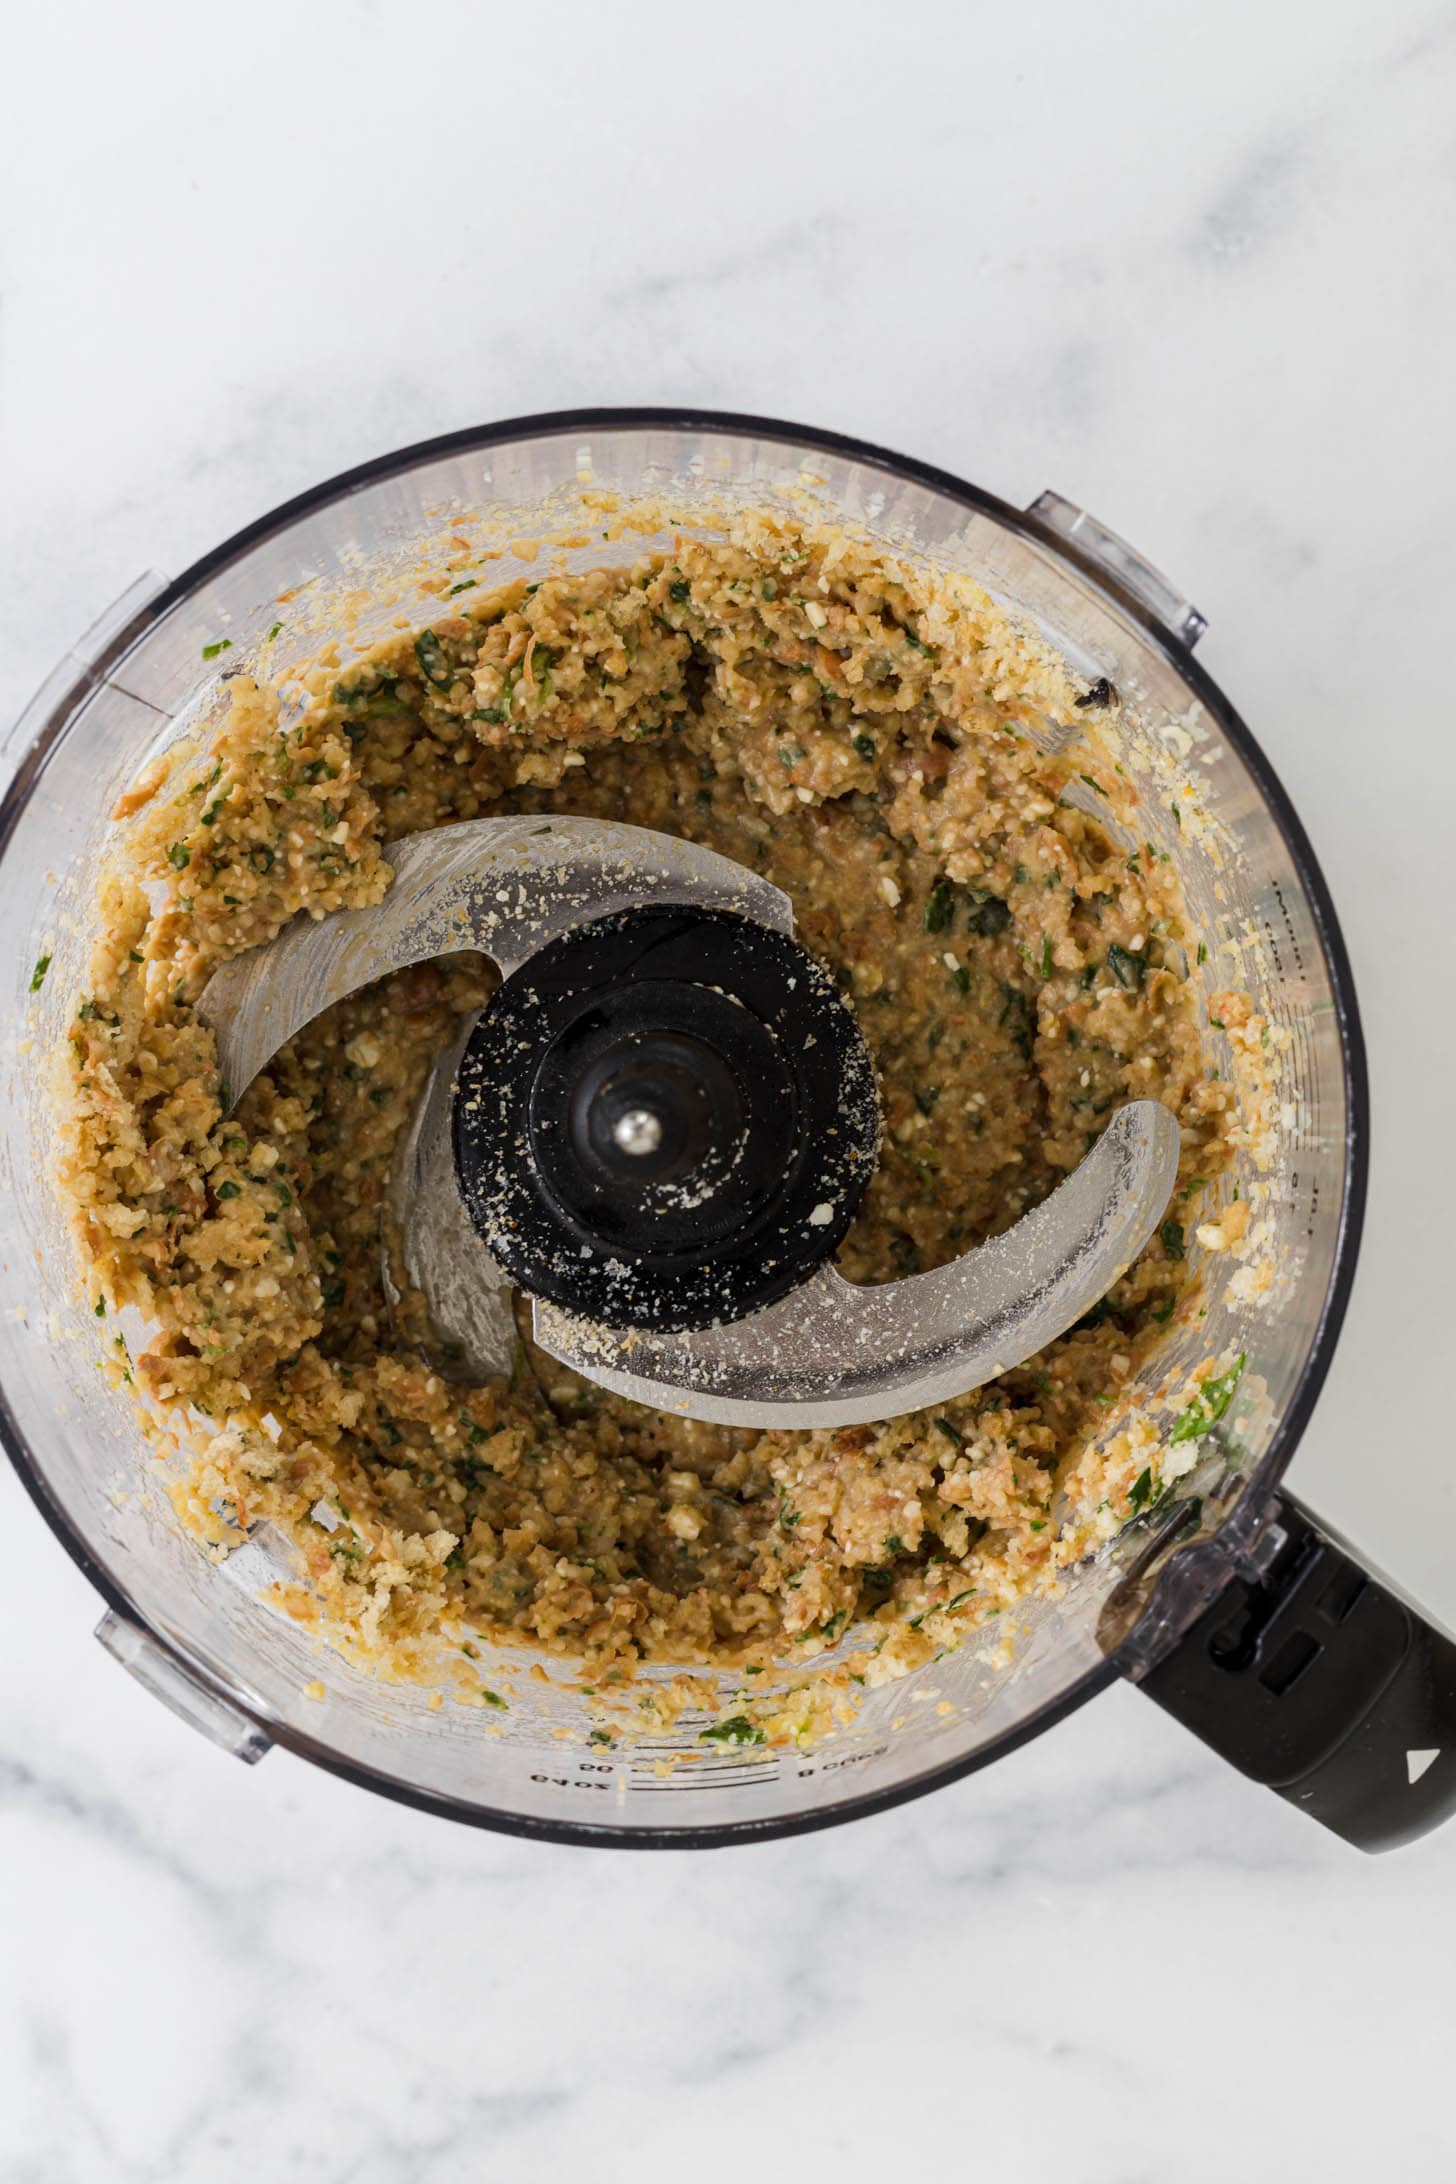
x=1312 y=1677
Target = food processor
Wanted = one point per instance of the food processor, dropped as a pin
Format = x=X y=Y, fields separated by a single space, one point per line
x=1222 y=1598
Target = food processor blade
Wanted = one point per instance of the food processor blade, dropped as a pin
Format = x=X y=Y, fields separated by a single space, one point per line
x=835 y=1354
x=829 y=1353
x=503 y=886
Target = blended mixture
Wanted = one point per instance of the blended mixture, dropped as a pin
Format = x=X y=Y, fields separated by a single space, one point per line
x=859 y=733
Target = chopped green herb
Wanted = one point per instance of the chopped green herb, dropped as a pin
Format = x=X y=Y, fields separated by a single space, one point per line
x=736 y=1729
x=1094 y=1316
x=1089 y=781
x=1203 y=951
x=865 y=745
x=229 y=1190
x=210 y=652
x=894 y=1545
x=1016 y=1015
x=1127 y=966
x=261 y=859
x=961 y=979
x=1206 y=1409
x=600 y=1736
x=37 y=976
x=940 y=908
x=101 y=1308
x=989 y=917
x=466 y=583
x=952 y=1432
x=179 y=856
x=680 y=590
x=273 y=632
x=1170 y=1236
x=430 y=653
x=1046 y=955
x=1142 y=1488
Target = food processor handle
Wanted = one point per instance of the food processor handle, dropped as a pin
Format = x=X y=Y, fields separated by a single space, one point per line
x=89 y=661
x=1313 y=1677
x=1091 y=541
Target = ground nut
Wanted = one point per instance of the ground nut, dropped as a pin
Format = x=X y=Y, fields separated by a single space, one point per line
x=854 y=731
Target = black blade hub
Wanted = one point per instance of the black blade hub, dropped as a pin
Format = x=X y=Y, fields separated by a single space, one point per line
x=667 y=1117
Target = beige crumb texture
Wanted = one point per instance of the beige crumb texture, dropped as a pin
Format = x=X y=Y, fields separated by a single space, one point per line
x=870 y=737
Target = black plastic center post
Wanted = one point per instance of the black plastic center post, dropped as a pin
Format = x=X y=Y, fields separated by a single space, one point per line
x=667 y=1117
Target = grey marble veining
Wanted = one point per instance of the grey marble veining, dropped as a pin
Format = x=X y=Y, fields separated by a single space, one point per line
x=1190 y=267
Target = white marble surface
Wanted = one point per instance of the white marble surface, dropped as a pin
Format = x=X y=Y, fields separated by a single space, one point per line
x=1193 y=268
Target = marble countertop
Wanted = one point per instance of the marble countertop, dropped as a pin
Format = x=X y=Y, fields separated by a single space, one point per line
x=1192 y=269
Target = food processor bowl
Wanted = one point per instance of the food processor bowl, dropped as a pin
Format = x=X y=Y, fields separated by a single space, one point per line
x=351 y=560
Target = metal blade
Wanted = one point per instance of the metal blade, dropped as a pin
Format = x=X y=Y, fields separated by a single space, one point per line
x=466 y=1289
x=503 y=886
x=835 y=1354
x=830 y=1354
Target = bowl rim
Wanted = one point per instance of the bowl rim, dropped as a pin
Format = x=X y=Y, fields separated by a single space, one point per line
x=30 y=759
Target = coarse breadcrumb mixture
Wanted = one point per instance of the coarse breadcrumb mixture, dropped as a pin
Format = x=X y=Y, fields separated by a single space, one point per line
x=870 y=738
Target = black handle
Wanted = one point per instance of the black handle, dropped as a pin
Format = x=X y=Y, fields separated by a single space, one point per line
x=1314 y=1678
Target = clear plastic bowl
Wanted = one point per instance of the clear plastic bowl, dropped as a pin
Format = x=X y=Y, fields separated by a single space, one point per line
x=199 y=1633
